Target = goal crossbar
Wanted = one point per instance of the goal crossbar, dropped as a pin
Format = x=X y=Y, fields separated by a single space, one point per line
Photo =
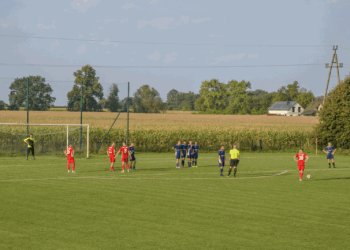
x=64 y=125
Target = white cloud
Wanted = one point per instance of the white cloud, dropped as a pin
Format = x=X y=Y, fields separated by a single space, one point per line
x=81 y=49
x=168 y=58
x=83 y=5
x=253 y=55
x=107 y=52
x=124 y=20
x=54 y=44
x=80 y=35
x=66 y=10
x=201 y=20
x=191 y=59
x=100 y=28
x=155 y=56
x=107 y=21
x=130 y=6
x=152 y=1
x=163 y=23
x=44 y=27
x=228 y=58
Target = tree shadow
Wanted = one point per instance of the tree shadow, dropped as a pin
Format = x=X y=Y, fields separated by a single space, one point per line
x=332 y=179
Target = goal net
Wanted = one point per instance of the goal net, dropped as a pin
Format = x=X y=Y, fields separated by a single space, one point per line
x=51 y=139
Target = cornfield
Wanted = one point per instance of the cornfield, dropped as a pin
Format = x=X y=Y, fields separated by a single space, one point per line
x=160 y=132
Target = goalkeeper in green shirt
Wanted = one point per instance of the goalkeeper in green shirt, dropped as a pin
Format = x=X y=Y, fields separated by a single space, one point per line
x=30 y=148
x=234 y=160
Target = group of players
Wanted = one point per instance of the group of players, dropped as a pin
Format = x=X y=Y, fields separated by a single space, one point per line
x=186 y=151
x=181 y=151
x=128 y=153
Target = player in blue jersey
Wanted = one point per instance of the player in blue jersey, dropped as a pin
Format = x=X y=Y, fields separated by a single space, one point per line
x=222 y=160
x=132 y=156
x=183 y=153
x=195 y=154
x=190 y=154
x=177 y=149
x=330 y=150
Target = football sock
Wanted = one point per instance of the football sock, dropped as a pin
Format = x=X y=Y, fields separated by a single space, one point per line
x=127 y=166
x=221 y=170
x=123 y=167
x=329 y=165
x=73 y=167
x=182 y=163
x=234 y=171
x=229 y=172
x=68 y=165
x=301 y=175
x=189 y=164
x=177 y=164
x=195 y=163
x=333 y=164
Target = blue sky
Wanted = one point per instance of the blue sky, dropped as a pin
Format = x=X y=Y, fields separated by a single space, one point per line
x=176 y=24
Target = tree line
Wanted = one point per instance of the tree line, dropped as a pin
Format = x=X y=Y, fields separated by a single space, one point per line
x=214 y=96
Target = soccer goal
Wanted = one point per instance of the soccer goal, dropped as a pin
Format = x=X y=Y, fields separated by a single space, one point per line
x=50 y=138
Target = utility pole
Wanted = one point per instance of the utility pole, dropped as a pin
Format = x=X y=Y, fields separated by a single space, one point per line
x=27 y=106
x=81 y=113
x=127 y=108
x=334 y=61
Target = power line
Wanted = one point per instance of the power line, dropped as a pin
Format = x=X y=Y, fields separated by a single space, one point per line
x=162 y=43
x=162 y=67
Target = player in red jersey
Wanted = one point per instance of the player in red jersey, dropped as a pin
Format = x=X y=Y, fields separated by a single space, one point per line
x=111 y=154
x=69 y=152
x=301 y=158
x=125 y=156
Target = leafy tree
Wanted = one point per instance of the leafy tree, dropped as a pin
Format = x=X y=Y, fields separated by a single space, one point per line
x=147 y=100
x=188 y=101
x=334 y=123
x=122 y=102
x=213 y=96
x=39 y=93
x=112 y=102
x=305 y=97
x=173 y=101
x=239 y=99
x=2 y=105
x=92 y=91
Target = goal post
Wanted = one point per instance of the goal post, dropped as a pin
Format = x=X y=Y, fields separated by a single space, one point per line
x=66 y=127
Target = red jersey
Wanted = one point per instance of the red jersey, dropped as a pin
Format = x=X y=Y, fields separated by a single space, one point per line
x=69 y=152
x=125 y=151
x=301 y=157
x=111 y=151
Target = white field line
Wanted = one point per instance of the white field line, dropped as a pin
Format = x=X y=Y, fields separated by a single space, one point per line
x=126 y=177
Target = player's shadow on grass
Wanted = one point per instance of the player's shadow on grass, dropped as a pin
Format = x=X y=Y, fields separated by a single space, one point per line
x=332 y=179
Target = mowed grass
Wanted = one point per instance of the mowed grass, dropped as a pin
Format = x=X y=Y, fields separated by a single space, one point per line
x=170 y=121
x=161 y=207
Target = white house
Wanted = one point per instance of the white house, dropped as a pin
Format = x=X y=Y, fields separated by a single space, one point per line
x=286 y=109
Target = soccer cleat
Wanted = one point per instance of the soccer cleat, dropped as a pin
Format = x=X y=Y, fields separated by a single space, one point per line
x=112 y=170
x=122 y=171
x=177 y=166
x=222 y=175
x=300 y=180
x=128 y=170
x=68 y=171
x=73 y=172
x=228 y=176
x=134 y=168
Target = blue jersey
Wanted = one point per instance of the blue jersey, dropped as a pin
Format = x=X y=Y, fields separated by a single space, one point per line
x=222 y=155
x=183 y=149
x=132 y=151
x=329 y=150
x=177 y=148
x=195 y=148
x=190 y=149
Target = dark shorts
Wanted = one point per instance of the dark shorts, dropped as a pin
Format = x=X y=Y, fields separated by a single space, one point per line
x=189 y=156
x=30 y=149
x=195 y=156
x=183 y=155
x=234 y=162
x=177 y=155
x=330 y=156
x=132 y=158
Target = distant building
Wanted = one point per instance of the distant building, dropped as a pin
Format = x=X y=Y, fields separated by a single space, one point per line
x=314 y=107
x=286 y=108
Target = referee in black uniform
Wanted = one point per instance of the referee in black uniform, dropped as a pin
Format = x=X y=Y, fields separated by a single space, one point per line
x=30 y=141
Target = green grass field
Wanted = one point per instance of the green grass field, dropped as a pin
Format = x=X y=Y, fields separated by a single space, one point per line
x=161 y=207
